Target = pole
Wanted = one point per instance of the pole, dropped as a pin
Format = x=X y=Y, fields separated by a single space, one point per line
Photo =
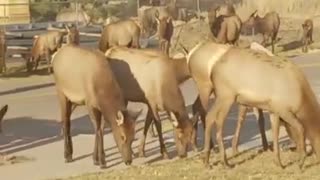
x=198 y=8
x=77 y=12
x=138 y=6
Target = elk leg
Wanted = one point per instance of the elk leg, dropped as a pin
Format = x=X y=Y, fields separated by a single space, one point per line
x=157 y=122
x=289 y=118
x=145 y=131
x=48 y=59
x=98 y=151
x=204 y=94
x=275 y=131
x=65 y=106
x=259 y=115
x=216 y=114
x=223 y=106
x=241 y=117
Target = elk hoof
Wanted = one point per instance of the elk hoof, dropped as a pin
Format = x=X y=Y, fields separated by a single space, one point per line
x=96 y=162
x=142 y=154
x=68 y=160
x=103 y=166
x=165 y=156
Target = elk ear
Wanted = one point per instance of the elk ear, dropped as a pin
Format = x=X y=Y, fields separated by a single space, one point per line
x=120 y=118
x=195 y=118
x=174 y=119
x=134 y=115
x=185 y=51
x=156 y=15
x=254 y=14
x=67 y=28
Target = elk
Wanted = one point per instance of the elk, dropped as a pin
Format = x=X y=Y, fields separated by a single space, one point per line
x=87 y=79
x=73 y=36
x=147 y=76
x=307 y=28
x=256 y=88
x=3 y=51
x=3 y=112
x=225 y=28
x=48 y=43
x=165 y=32
x=268 y=26
x=120 y=33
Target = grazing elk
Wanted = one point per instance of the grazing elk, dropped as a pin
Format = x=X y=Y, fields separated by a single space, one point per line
x=307 y=28
x=268 y=26
x=3 y=51
x=120 y=33
x=225 y=28
x=87 y=79
x=216 y=65
x=147 y=76
x=3 y=112
x=165 y=32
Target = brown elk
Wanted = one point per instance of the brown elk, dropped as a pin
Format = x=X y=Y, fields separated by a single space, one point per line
x=48 y=43
x=268 y=26
x=257 y=88
x=87 y=79
x=147 y=76
x=165 y=32
x=120 y=33
x=3 y=112
x=307 y=28
x=3 y=51
x=225 y=28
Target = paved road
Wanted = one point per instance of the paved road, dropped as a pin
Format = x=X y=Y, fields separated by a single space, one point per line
x=31 y=129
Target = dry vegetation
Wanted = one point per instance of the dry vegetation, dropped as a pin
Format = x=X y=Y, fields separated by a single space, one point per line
x=251 y=165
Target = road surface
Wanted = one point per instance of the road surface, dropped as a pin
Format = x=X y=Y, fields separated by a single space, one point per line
x=31 y=129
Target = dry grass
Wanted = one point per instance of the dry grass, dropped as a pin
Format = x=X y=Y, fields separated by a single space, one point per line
x=286 y=8
x=250 y=165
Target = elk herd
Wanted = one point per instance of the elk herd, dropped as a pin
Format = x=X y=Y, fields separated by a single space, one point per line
x=119 y=70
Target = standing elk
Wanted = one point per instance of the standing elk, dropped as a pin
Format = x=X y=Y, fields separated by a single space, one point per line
x=216 y=66
x=147 y=76
x=3 y=51
x=268 y=26
x=48 y=43
x=225 y=27
x=87 y=79
x=3 y=112
x=120 y=33
x=307 y=28
x=165 y=32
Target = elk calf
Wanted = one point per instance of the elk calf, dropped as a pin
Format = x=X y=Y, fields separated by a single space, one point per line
x=307 y=28
x=87 y=79
x=268 y=26
x=3 y=51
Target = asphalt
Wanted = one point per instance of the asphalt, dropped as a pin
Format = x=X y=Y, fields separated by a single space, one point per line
x=31 y=129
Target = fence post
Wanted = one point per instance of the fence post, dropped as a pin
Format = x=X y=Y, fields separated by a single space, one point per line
x=198 y=8
x=138 y=6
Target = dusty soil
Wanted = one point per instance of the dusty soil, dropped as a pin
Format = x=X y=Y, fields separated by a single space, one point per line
x=252 y=164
